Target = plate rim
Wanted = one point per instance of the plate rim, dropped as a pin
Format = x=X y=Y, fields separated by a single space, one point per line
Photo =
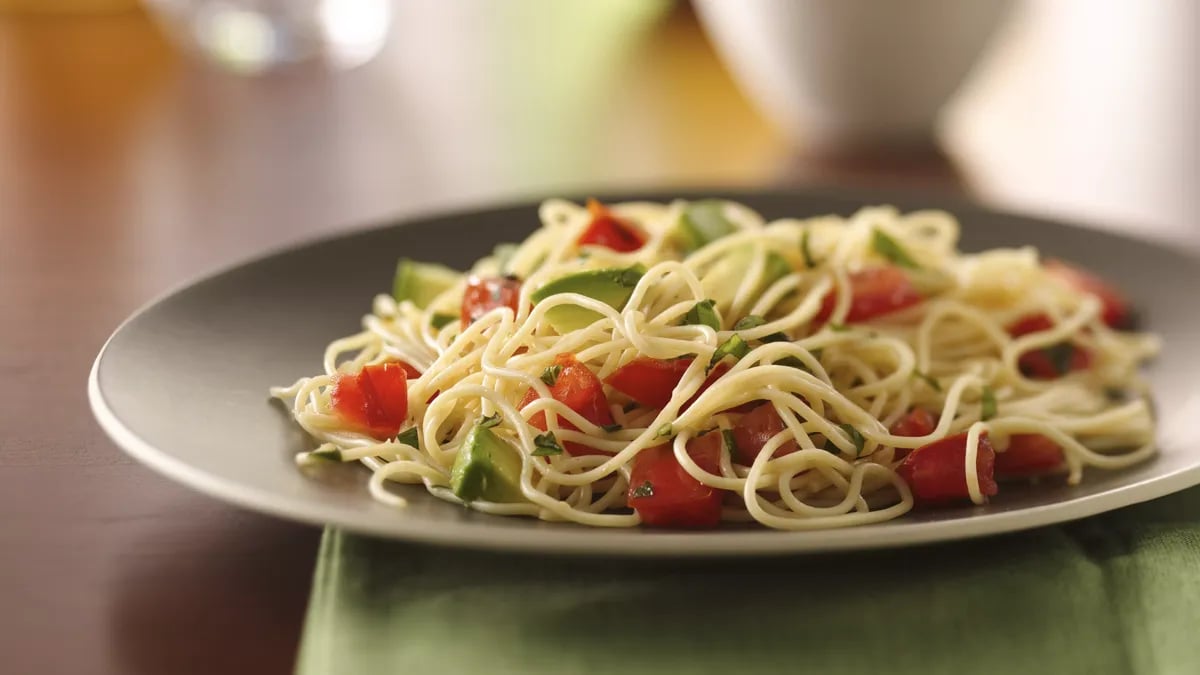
x=622 y=542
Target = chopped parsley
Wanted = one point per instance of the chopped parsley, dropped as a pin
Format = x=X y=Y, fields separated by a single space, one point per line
x=839 y=327
x=792 y=362
x=933 y=383
x=440 y=321
x=749 y=321
x=489 y=421
x=805 y=251
x=774 y=337
x=855 y=437
x=546 y=444
x=550 y=375
x=735 y=346
x=665 y=430
x=731 y=444
x=892 y=250
x=1060 y=356
x=987 y=404
x=409 y=436
x=646 y=489
x=703 y=313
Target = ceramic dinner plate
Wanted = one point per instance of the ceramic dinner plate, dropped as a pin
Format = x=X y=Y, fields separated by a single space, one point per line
x=182 y=385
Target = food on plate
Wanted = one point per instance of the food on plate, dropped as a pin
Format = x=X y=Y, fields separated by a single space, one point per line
x=688 y=364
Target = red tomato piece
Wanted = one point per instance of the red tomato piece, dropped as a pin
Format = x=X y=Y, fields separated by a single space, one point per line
x=757 y=427
x=665 y=495
x=874 y=292
x=610 y=231
x=578 y=388
x=1028 y=455
x=1048 y=363
x=650 y=382
x=1115 y=310
x=373 y=400
x=918 y=422
x=937 y=472
x=485 y=294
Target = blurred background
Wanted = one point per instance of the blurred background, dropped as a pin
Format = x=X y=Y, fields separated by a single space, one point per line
x=145 y=141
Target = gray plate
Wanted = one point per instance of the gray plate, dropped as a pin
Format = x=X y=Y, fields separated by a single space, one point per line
x=182 y=385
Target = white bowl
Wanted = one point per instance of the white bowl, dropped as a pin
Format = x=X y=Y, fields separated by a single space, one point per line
x=840 y=73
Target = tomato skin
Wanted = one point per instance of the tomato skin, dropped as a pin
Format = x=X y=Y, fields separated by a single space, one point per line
x=874 y=291
x=918 y=422
x=650 y=382
x=936 y=472
x=1115 y=307
x=757 y=427
x=1028 y=455
x=678 y=500
x=373 y=400
x=610 y=231
x=578 y=388
x=1037 y=363
x=483 y=294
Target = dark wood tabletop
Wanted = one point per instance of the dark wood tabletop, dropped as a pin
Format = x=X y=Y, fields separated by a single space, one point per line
x=127 y=168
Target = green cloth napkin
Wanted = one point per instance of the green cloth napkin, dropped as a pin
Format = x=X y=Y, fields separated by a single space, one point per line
x=1118 y=593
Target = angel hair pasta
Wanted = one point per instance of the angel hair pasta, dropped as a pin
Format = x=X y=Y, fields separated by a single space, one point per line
x=688 y=364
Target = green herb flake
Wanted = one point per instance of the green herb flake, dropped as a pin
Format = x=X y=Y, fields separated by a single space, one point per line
x=735 y=346
x=609 y=428
x=792 y=362
x=703 y=313
x=889 y=248
x=550 y=375
x=546 y=444
x=839 y=327
x=933 y=383
x=490 y=421
x=987 y=404
x=440 y=321
x=731 y=444
x=855 y=437
x=1060 y=356
x=646 y=489
x=749 y=321
x=665 y=431
x=330 y=455
x=774 y=337
x=409 y=437
x=805 y=251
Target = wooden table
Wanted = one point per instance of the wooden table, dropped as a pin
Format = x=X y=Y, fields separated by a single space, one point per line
x=126 y=168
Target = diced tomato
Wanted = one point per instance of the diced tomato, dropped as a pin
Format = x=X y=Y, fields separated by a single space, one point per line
x=665 y=495
x=1028 y=455
x=578 y=388
x=412 y=372
x=918 y=422
x=1048 y=363
x=874 y=291
x=1115 y=310
x=757 y=427
x=650 y=382
x=937 y=472
x=373 y=400
x=485 y=294
x=610 y=231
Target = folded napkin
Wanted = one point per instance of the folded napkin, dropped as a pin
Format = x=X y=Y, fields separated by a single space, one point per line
x=1117 y=593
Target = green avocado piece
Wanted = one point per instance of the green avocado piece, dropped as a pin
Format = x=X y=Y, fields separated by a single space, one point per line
x=486 y=468
x=702 y=222
x=722 y=280
x=612 y=286
x=421 y=282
